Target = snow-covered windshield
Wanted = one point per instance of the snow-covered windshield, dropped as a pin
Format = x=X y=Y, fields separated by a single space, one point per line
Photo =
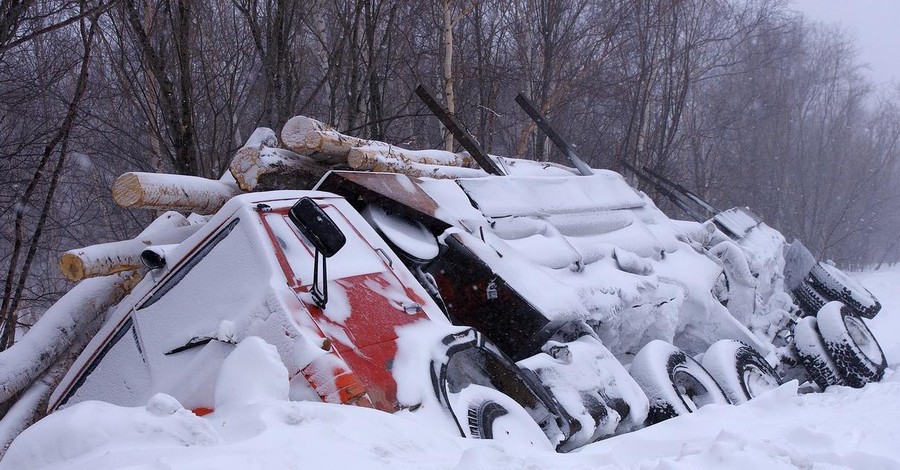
x=354 y=259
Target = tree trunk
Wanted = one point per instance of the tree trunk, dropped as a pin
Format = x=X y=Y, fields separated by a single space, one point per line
x=447 y=45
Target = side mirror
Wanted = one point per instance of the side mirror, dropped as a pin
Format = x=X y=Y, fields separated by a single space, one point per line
x=154 y=257
x=317 y=227
x=325 y=236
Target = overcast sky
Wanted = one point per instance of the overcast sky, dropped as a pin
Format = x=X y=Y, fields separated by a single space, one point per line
x=874 y=23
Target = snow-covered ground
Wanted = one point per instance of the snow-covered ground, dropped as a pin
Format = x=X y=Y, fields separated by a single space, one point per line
x=254 y=427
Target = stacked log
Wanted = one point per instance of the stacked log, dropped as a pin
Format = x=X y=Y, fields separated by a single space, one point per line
x=418 y=164
x=274 y=168
x=115 y=257
x=318 y=140
x=182 y=193
x=309 y=150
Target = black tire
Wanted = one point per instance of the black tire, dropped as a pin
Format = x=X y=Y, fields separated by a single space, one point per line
x=486 y=413
x=674 y=383
x=814 y=356
x=742 y=372
x=809 y=299
x=837 y=285
x=851 y=344
x=482 y=417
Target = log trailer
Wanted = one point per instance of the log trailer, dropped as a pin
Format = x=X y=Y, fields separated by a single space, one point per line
x=497 y=297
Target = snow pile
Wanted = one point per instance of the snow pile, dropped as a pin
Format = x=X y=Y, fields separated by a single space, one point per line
x=886 y=325
x=842 y=428
x=252 y=373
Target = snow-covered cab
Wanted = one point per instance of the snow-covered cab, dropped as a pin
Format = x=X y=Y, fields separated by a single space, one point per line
x=304 y=272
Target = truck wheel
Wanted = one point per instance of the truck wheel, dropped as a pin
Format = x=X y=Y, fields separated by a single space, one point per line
x=809 y=298
x=675 y=383
x=741 y=371
x=485 y=413
x=851 y=344
x=814 y=355
x=837 y=285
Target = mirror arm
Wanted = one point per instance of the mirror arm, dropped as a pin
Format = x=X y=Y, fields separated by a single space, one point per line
x=320 y=296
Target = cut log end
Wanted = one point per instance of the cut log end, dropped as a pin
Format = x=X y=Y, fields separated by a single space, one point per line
x=71 y=266
x=244 y=167
x=127 y=190
x=302 y=134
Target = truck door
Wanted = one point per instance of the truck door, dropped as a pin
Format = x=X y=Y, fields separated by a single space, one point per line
x=367 y=301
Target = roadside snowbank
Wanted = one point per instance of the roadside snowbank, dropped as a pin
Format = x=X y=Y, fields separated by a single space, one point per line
x=842 y=428
x=885 y=284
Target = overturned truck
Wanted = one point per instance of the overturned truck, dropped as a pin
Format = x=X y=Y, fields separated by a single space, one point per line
x=532 y=301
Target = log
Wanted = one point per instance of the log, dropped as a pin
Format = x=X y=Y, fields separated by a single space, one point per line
x=261 y=137
x=109 y=258
x=27 y=410
x=250 y=166
x=322 y=143
x=318 y=140
x=428 y=157
x=158 y=191
x=246 y=158
x=277 y=178
x=367 y=158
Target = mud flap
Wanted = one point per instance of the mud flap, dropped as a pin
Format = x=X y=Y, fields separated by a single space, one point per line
x=469 y=359
x=593 y=384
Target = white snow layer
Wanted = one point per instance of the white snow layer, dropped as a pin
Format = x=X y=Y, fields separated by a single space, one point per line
x=842 y=428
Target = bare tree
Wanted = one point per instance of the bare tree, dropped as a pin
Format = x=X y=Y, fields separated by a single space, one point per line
x=26 y=242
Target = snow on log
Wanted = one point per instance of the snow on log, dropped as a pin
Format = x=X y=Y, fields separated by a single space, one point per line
x=25 y=411
x=368 y=158
x=318 y=140
x=110 y=258
x=261 y=137
x=171 y=192
x=57 y=329
x=244 y=164
x=428 y=157
x=250 y=167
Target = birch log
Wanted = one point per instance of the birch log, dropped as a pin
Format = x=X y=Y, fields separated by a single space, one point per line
x=28 y=408
x=160 y=191
x=246 y=158
x=318 y=140
x=257 y=170
x=374 y=159
x=110 y=258
x=428 y=157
